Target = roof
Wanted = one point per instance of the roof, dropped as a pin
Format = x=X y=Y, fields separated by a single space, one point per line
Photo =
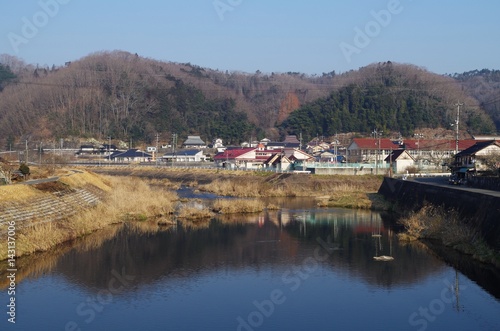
x=186 y=152
x=477 y=147
x=232 y=153
x=194 y=140
x=395 y=154
x=372 y=143
x=438 y=144
x=131 y=153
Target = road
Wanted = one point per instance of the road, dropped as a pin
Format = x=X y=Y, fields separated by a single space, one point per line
x=443 y=182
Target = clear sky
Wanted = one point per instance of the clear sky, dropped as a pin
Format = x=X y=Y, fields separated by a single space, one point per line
x=312 y=36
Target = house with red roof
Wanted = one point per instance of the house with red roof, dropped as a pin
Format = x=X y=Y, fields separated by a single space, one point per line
x=369 y=150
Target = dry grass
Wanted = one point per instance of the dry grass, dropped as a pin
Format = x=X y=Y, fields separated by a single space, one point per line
x=17 y=193
x=288 y=185
x=446 y=226
x=83 y=178
x=129 y=199
x=193 y=213
x=232 y=206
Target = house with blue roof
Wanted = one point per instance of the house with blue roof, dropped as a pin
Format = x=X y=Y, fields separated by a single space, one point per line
x=130 y=156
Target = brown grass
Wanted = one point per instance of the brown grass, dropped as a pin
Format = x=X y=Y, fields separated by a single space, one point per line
x=129 y=199
x=446 y=226
x=193 y=213
x=232 y=206
x=17 y=193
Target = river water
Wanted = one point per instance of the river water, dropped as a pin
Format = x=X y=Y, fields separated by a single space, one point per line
x=299 y=268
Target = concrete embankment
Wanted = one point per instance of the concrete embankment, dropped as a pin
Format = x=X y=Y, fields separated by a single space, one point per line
x=479 y=209
x=49 y=207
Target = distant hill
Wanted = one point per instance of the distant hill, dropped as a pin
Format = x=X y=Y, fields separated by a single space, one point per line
x=391 y=98
x=484 y=85
x=125 y=96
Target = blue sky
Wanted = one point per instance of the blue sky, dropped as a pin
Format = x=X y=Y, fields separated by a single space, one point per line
x=312 y=37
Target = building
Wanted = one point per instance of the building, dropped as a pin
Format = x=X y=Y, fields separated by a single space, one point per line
x=475 y=158
x=186 y=155
x=400 y=160
x=130 y=156
x=194 y=142
x=370 y=150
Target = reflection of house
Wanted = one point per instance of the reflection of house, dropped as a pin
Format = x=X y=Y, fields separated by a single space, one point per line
x=194 y=142
x=400 y=160
x=473 y=158
x=132 y=155
x=187 y=155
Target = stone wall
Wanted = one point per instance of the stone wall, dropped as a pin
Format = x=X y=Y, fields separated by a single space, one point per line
x=482 y=210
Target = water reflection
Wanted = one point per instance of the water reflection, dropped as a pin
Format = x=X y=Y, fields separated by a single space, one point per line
x=280 y=238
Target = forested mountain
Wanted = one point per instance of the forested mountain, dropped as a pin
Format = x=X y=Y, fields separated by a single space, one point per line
x=125 y=96
x=484 y=85
x=392 y=98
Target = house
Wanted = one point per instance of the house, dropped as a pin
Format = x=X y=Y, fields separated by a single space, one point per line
x=278 y=162
x=399 y=160
x=258 y=158
x=132 y=155
x=289 y=142
x=475 y=157
x=194 y=142
x=370 y=150
x=186 y=155
x=434 y=152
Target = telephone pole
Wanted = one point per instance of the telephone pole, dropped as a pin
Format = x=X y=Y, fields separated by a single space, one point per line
x=456 y=126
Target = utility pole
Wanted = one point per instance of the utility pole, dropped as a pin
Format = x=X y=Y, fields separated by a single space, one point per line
x=157 y=139
x=26 y=159
x=377 y=134
x=456 y=126
x=419 y=136
x=174 y=143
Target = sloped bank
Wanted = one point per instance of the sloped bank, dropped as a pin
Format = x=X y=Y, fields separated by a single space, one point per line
x=74 y=206
x=480 y=212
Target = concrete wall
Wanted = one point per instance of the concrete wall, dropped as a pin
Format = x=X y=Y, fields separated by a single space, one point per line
x=482 y=210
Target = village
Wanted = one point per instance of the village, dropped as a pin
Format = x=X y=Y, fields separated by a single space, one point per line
x=374 y=155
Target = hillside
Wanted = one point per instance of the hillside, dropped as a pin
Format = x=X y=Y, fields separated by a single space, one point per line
x=396 y=98
x=484 y=85
x=125 y=96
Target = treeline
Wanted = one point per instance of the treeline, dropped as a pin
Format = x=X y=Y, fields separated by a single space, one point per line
x=118 y=95
x=390 y=100
x=484 y=85
x=126 y=96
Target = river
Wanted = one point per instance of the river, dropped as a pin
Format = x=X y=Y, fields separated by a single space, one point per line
x=299 y=268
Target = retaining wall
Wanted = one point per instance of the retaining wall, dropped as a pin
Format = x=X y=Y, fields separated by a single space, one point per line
x=482 y=210
x=51 y=207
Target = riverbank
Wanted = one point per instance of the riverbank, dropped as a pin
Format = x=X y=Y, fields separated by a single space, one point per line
x=439 y=225
x=53 y=213
x=329 y=190
x=81 y=202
